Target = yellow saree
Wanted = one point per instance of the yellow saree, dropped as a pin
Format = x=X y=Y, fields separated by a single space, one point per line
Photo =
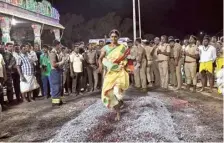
x=116 y=79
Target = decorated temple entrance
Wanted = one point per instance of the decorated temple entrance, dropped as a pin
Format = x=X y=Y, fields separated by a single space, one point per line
x=26 y=20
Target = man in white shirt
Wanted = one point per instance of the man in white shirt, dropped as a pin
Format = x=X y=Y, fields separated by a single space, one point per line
x=207 y=57
x=76 y=69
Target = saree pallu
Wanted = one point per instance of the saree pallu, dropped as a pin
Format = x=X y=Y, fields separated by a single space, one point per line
x=116 y=79
x=56 y=85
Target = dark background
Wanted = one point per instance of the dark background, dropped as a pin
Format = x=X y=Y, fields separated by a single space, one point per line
x=171 y=17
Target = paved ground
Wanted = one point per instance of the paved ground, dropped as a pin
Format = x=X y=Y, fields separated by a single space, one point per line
x=156 y=116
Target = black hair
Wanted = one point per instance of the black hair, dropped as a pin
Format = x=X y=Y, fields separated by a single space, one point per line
x=151 y=41
x=81 y=50
x=23 y=45
x=16 y=45
x=8 y=44
x=45 y=46
x=177 y=40
x=164 y=36
x=56 y=42
x=115 y=31
x=156 y=38
x=139 y=40
x=27 y=44
x=206 y=37
x=214 y=37
x=147 y=42
x=108 y=43
x=170 y=37
x=101 y=41
x=195 y=38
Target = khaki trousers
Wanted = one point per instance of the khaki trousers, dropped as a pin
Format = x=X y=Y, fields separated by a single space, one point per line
x=190 y=72
x=140 y=76
x=179 y=75
x=172 y=69
x=155 y=69
x=149 y=71
x=163 y=70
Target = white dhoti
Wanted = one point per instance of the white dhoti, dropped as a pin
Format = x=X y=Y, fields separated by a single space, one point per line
x=30 y=84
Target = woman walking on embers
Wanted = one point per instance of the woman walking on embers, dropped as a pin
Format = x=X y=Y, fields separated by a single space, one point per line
x=116 y=80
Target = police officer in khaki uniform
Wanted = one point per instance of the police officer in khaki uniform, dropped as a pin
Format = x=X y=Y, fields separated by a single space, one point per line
x=178 y=63
x=149 y=56
x=163 y=58
x=190 y=65
x=213 y=41
x=172 y=65
x=155 y=67
x=10 y=62
x=140 y=68
x=131 y=61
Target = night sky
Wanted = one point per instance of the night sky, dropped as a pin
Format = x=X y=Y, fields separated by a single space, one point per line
x=171 y=17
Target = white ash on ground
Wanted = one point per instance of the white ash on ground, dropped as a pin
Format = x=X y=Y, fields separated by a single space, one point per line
x=196 y=120
x=143 y=119
x=38 y=121
x=158 y=116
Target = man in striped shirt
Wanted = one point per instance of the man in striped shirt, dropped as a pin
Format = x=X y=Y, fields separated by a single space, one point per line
x=25 y=68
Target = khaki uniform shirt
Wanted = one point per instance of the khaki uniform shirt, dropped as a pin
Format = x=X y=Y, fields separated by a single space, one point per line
x=213 y=44
x=191 y=49
x=219 y=52
x=140 y=54
x=155 y=55
x=164 y=48
x=177 y=51
x=183 y=49
x=149 y=53
x=172 y=50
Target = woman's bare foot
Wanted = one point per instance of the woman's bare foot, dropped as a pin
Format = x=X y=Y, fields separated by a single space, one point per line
x=121 y=104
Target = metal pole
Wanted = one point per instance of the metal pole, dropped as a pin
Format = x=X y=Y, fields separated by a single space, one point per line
x=139 y=16
x=134 y=21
